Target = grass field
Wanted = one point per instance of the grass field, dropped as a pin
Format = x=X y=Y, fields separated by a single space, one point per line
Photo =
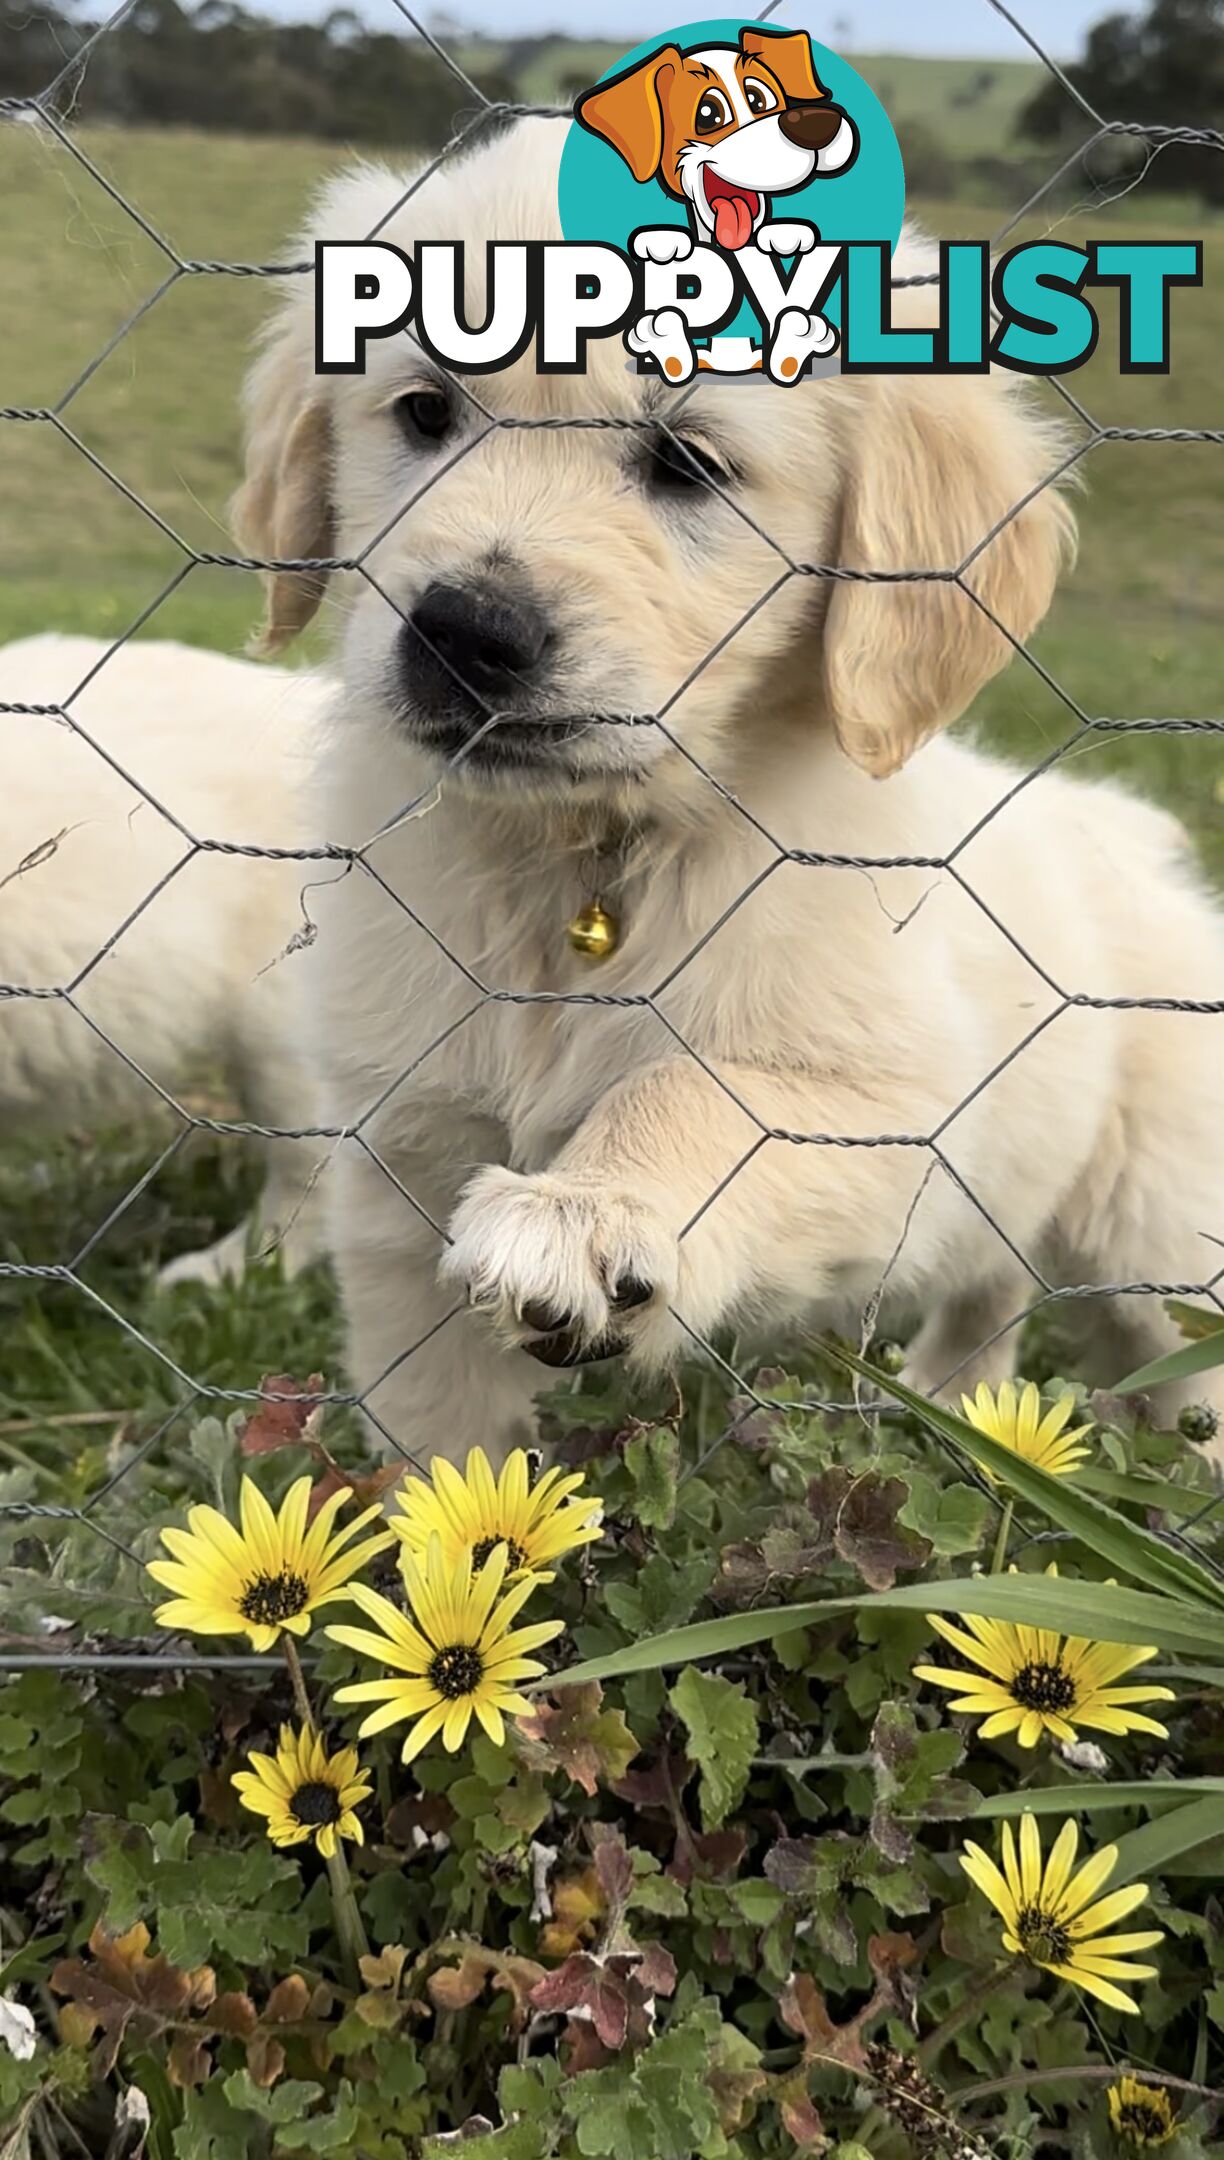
x=1138 y=632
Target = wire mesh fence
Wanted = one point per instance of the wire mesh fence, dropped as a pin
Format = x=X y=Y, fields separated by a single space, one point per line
x=478 y=115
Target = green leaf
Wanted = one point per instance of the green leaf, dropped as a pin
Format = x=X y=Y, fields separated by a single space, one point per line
x=1197 y=1357
x=1095 y=1798
x=212 y=2129
x=330 y=2133
x=246 y=1904
x=1121 y=1543
x=214 y=1449
x=658 y=1894
x=283 y=2103
x=954 y=1519
x=522 y=2140
x=722 y=1727
x=1143 y=1491
x=653 y=1461
x=1103 y=1611
x=661 y=1595
x=1194 y=1321
x=756 y=1902
x=1154 y=1848
x=663 y=2110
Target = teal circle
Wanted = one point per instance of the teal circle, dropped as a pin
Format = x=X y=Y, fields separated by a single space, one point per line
x=600 y=199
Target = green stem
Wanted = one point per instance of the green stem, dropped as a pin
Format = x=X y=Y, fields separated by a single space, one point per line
x=354 y=1943
x=297 y=1680
x=999 y=1561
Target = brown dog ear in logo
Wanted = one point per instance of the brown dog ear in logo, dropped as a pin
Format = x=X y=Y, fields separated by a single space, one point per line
x=628 y=111
x=788 y=53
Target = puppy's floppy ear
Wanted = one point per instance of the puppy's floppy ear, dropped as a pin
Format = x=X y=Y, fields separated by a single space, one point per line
x=788 y=53
x=934 y=466
x=628 y=111
x=284 y=506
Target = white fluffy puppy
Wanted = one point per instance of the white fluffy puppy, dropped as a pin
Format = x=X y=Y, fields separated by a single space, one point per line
x=136 y=952
x=654 y=665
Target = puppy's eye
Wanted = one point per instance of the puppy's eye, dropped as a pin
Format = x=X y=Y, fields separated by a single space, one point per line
x=676 y=467
x=424 y=416
x=713 y=112
x=759 y=97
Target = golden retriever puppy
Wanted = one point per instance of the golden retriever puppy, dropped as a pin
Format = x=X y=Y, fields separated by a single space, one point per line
x=140 y=955
x=653 y=684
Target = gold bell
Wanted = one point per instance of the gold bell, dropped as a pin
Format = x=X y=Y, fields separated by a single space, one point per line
x=594 y=933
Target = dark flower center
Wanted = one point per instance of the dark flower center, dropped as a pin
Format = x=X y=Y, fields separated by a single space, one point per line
x=315 y=1804
x=1043 y=1687
x=269 y=1599
x=1143 y=2122
x=488 y=1546
x=457 y=1671
x=1044 y=1940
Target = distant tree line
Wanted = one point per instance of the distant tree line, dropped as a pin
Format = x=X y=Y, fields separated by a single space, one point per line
x=216 y=65
x=1166 y=69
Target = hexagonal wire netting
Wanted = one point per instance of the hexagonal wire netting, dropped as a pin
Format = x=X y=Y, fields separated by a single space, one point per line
x=40 y=111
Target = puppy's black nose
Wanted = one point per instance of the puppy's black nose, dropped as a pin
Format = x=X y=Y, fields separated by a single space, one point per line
x=471 y=645
x=811 y=127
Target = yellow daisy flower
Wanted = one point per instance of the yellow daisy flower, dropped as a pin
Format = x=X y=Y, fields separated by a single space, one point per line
x=305 y=1792
x=477 y=1512
x=270 y=1572
x=1141 y=2114
x=455 y=1653
x=1033 y=1681
x=1054 y=1918
x=1015 y=1421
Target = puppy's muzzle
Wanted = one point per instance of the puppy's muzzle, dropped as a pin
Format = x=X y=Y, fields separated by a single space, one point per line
x=467 y=649
x=811 y=127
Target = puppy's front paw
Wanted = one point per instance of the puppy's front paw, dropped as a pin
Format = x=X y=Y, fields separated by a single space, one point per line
x=798 y=337
x=782 y=239
x=663 y=244
x=570 y=1272
x=664 y=338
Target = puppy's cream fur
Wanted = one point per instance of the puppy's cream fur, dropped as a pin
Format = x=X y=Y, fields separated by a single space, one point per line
x=162 y=944
x=540 y=1149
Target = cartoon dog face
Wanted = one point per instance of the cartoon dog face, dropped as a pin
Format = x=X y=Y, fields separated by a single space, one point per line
x=724 y=128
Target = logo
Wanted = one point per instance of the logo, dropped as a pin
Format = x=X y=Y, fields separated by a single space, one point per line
x=732 y=164
x=731 y=198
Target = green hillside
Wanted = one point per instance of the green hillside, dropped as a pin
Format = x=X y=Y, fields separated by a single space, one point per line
x=971 y=105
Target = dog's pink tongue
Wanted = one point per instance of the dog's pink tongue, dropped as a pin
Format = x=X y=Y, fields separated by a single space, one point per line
x=732 y=221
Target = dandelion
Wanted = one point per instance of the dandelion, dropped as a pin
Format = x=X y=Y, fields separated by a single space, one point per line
x=455 y=1654
x=1055 y=1919
x=269 y=1573
x=305 y=1792
x=1033 y=1681
x=1015 y=1421
x=1141 y=2114
x=476 y=1512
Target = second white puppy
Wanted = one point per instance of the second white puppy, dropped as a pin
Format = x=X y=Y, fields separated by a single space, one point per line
x=138 y=952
